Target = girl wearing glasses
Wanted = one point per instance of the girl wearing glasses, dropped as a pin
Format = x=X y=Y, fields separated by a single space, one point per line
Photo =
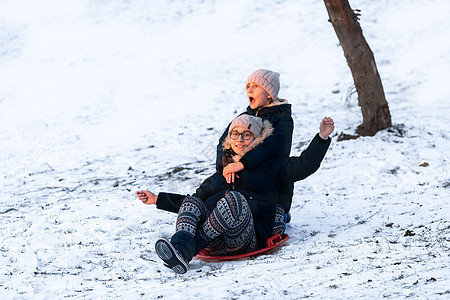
x=233 y=218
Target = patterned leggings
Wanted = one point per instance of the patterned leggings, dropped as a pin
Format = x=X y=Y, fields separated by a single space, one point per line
x=229 y=226
x=280 y=224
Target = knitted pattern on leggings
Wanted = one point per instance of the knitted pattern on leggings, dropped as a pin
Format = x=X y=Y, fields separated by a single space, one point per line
x=280 y=225
x=231 y=217
x=192 y=211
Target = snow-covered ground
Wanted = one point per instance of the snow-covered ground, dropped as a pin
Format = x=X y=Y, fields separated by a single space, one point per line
x=99 y=99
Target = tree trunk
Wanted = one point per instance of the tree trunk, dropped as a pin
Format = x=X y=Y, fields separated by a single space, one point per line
x=360 y=59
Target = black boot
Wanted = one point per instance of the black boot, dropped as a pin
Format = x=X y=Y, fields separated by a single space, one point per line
x=200 y=243
x=177 y=253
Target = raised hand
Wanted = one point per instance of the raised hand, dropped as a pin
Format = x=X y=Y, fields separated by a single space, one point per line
x=326 y=127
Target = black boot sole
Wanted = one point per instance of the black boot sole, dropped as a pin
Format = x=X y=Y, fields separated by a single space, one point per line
x=170 y=256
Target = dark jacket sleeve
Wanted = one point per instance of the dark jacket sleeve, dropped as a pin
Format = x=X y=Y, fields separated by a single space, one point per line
x=169 y=202
x=276 y=145
x=299 y=167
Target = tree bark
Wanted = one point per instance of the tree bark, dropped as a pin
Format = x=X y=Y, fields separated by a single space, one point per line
x=360 y=59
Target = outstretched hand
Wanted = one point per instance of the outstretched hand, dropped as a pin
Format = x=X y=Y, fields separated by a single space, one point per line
x=147 y=197
x=326 y=127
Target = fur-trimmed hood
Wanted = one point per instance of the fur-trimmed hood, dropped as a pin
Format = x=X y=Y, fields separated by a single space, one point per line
x=279 y=101
x=266 y=131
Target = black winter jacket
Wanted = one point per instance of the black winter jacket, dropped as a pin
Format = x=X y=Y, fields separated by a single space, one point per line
x=259 y=186
x=277 y=145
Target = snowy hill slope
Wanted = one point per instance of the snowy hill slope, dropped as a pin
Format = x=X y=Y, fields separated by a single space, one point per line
x=100 y=99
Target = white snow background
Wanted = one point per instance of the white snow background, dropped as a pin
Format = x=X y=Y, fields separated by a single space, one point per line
x=99 y=99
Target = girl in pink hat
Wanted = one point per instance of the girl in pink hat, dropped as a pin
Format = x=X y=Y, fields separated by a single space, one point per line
x=262 y=87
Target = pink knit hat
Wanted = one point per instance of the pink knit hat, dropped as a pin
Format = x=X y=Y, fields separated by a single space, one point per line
x=269 y=80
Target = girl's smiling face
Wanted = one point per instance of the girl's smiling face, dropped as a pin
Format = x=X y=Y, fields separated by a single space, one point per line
x=257 y=95
x=240 y=143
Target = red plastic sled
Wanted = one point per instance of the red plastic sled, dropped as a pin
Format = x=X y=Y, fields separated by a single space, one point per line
x=271 y=243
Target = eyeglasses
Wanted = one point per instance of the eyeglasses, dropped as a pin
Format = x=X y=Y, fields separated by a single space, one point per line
x=246 y=135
